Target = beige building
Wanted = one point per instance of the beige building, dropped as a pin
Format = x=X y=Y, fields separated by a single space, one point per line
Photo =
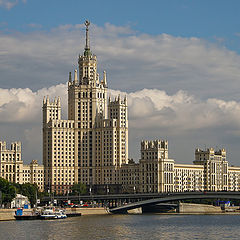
x=188 y=177
x=130 y=177
x=34 y=173
x=91 y=146
x=13 y=169
x=215 y=168
x=158 y=173
x=156 y=169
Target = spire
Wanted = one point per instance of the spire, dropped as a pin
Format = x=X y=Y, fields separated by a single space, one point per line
x=87 y=47
x=125 y=99
x=87 y=51
x=75 y=76
x=58 y=102
x=104 y=78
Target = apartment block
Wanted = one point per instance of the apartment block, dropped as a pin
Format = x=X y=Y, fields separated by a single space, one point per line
x=92 y=144
x=13 y=169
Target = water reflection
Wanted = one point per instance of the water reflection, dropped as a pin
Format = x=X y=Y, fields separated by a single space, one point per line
x=126 y=227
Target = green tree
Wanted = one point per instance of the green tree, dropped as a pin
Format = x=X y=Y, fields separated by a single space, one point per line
x=29 y=190
x=8 y=191
x=79 y=188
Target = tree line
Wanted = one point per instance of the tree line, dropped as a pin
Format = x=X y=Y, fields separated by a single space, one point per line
x=8 y=191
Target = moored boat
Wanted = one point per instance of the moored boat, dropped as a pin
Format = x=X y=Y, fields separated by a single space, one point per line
x=27 y=217
x=52 y=214
x=48 y=214
x=60 y=214
x=21 y=215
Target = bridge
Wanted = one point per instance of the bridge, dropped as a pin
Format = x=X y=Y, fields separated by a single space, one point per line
x=112 y=199
x=170 y=197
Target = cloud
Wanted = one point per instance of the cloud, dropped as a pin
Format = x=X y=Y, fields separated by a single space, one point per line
x=189 y=86
x=133 y=60
x=152 y=114
x=153 y=108
x=10 y=4
x=24 y=105
x=34 y=25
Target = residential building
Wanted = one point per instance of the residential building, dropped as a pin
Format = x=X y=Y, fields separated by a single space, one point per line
x=215 y=168
x=157 y=173
x=92 y=145
x=33 y=173
x=11 y=164
x=13 y=169
x=156 y=169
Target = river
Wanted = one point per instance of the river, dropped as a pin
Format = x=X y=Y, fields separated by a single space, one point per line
x=125 y=227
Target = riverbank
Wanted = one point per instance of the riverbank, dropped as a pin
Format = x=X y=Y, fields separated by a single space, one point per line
x=8 y=214
x=184 y=209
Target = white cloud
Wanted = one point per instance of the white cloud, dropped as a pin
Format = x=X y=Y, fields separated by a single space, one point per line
x=133 y=61
x=152 y=112
x=198 y=103
x=8 y=4
x=24 y=105
x=153 y=108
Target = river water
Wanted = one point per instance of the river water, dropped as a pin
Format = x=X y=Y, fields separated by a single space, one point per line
x=126 y=227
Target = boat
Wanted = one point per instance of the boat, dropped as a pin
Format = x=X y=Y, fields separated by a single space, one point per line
x=52 y=214
x=60 y=214
x=27 y=217
x=48 y=214
x=21 y=215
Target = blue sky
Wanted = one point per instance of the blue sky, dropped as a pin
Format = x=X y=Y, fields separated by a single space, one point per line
x=177 y=60
x=205 y=19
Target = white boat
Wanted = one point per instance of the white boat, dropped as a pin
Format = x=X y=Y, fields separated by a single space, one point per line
x=48 y=214
x=52 y=214
x=60 y=214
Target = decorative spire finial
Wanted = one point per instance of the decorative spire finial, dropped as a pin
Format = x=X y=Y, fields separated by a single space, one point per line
x=87 y=47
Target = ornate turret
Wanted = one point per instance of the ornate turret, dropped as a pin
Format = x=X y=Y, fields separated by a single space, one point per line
x=88 y=63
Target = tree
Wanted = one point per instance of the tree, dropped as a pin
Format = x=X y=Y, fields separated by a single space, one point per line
x=79 y=188
x=8 y=190
x=29 y=190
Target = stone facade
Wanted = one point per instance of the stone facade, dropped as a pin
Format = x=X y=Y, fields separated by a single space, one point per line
x=91 y=147
x=157 y=173
x=156 y=169
x=13 y=169
x=215 y=168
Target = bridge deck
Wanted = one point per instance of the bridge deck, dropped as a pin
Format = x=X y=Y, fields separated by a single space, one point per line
x=176 y=197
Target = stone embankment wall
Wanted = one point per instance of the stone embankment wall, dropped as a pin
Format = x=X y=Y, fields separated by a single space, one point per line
x=198 y=208
x=87 y=211
x=8 y=214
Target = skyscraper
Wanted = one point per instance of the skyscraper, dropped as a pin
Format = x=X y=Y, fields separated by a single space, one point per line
x=92 y=144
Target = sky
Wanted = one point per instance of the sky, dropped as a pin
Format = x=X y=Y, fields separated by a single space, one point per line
x=178 y=62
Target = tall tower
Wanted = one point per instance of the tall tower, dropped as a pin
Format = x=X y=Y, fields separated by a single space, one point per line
x=99 y=143
x=87 y=104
